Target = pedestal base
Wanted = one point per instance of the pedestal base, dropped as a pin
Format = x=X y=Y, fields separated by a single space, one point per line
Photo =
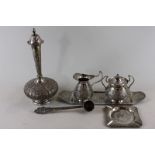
x=41 y=102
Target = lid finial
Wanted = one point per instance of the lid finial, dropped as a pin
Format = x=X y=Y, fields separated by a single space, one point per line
x=34 y=31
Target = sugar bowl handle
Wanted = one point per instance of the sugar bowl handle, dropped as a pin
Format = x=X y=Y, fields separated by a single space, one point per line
x=131 y=80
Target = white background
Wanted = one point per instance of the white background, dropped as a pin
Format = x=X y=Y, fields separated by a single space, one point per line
x=77 y=12
x=123 y=50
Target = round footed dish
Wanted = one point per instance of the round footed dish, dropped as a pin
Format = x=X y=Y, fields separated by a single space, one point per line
x=41 y=91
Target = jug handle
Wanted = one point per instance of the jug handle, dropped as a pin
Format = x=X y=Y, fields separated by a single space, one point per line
x=100 y=73
x=106 y=79
x=133 y=80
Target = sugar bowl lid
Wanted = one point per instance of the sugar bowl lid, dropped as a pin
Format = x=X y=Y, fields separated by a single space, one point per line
x=118 y=80
x=35 y=39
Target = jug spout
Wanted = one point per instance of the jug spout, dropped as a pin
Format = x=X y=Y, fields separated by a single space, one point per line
x=85 y=77
x=80 y=76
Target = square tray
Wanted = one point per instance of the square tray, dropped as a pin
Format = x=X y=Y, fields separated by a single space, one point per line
x=122 y=117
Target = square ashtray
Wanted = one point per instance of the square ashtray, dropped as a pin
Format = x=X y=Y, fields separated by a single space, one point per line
x=122 y=116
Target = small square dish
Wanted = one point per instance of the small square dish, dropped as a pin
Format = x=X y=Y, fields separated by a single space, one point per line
x=122 y=116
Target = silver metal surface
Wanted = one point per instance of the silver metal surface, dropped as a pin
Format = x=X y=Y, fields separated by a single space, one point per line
x=46 y=110
x=35 y=42
x=83 y=90
x=99 y=98
x=122 y=116
x=117 y=90
x=87 y=106
x=40 y=89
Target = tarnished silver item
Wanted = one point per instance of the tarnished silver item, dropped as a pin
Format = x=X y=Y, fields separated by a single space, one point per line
x=87 y=106
x=117 y=90
x=99 y=97
x=122 y=116
x=83 y=90
x=40 y=89
x=117 y=99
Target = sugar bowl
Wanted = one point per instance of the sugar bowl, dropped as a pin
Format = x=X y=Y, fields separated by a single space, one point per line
x=117 y=90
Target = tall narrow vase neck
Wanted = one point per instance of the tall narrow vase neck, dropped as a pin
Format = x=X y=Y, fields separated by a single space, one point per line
x=35 y=41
